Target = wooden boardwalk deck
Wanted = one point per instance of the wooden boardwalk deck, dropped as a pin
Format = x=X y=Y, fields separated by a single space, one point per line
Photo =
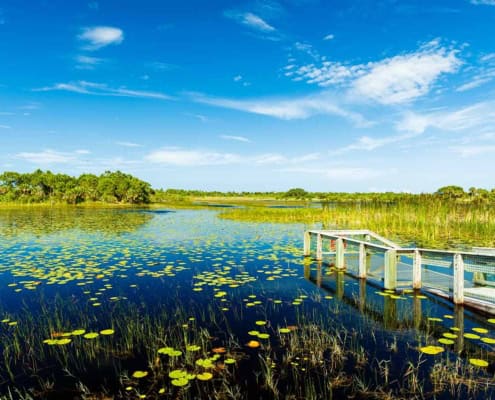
x=463 y=277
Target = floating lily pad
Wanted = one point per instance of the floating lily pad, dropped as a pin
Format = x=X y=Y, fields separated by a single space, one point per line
x=431 y=350
x=205 y=376
x=477 y=362
x=91 y=335
x=139 y=374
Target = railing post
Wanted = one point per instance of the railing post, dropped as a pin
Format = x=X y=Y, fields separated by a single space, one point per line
x=362 y=261
x=390 y=266
x=319 y=247
x=458 y=279
x=307 y=244
x=339 y=253
x=416 y=283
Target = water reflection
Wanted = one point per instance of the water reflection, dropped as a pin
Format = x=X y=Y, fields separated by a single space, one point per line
x=399 y=311
x=44 y=220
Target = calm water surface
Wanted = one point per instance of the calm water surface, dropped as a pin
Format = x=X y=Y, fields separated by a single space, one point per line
x=180 y=304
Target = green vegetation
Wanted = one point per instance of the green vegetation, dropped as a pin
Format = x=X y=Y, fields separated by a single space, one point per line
x=194 y=307
x=42 y=187
x=427 y=221
x=450 y=217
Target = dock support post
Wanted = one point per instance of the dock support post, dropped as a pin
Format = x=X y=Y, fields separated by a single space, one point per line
x=416 y=284
x=390 y=267
x=339 y=253
x=307 y=244
x=458 y=279
x=362 y=261
x=319 y=247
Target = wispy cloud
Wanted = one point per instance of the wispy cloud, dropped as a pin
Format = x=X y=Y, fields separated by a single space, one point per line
x=47 y=157
x=240 y=79
x=483 y=2
x=251 y=20
x=191 y=158
x=480 y=73
x=288 y=109
x=471 y=151
x=179 y=157
x=236 y=138
x=338 y=173
x=394 y=80
x=87 y=62
x=367 y=143
x=480 y=114
x=101 y=89
x=5 y=127
x=329 y=37
x=129 y=144
x=161 y=66
x=96 y=37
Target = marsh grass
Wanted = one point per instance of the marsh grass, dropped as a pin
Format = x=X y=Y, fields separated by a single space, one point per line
x=430 y=223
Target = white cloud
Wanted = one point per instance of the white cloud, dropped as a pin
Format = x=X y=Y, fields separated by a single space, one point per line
x=394 y=80
x=288 y=109
x=87 y=62
x=476 y=82
x=471 y=151
x=46 y=157
x=100 y=36
x=367 y=143
x=237 y=78
x=236 y=138
x=174 y=156
x=128 y=144
x=270 y=158
x=251 y=20
x=341 y=173
x=5 y=127
x=329 y=37
x=308 y=49
x=404 y=78
x=82 y=151
x=101 y=89
x=191 y=158
x=480 y=114
x=480 y=74
x=483 y=2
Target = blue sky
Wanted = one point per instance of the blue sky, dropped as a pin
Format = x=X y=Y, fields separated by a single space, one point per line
x=253 y=95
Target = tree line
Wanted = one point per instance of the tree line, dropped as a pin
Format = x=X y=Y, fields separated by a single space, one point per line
x=45 y=186
x=118 y=187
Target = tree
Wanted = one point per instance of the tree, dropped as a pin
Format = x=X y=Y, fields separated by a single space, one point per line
x=296 y=193
x=451 y=192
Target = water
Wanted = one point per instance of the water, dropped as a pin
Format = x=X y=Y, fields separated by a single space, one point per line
x=183 y=292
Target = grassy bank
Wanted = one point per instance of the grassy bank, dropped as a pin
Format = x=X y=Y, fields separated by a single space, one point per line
x=433 y=223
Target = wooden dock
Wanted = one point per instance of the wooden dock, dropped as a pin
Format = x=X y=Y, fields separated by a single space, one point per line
x=464 y=277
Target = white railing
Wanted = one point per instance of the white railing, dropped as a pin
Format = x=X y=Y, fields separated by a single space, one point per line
x=466 y=277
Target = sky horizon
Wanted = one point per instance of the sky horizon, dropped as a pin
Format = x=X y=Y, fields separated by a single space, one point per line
x=330 y=96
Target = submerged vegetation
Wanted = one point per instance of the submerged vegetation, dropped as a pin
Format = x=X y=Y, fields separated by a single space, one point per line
x=183 y=305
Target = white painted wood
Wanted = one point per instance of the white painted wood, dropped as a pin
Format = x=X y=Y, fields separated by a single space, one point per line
x=458 y=279
x=362 y=261
x=416 y=283
x=307 y=244
x=319 y=247
x=339 y=253
x=390 y=272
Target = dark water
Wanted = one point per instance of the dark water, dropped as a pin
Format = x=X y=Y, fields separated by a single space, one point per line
x=205 y=288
